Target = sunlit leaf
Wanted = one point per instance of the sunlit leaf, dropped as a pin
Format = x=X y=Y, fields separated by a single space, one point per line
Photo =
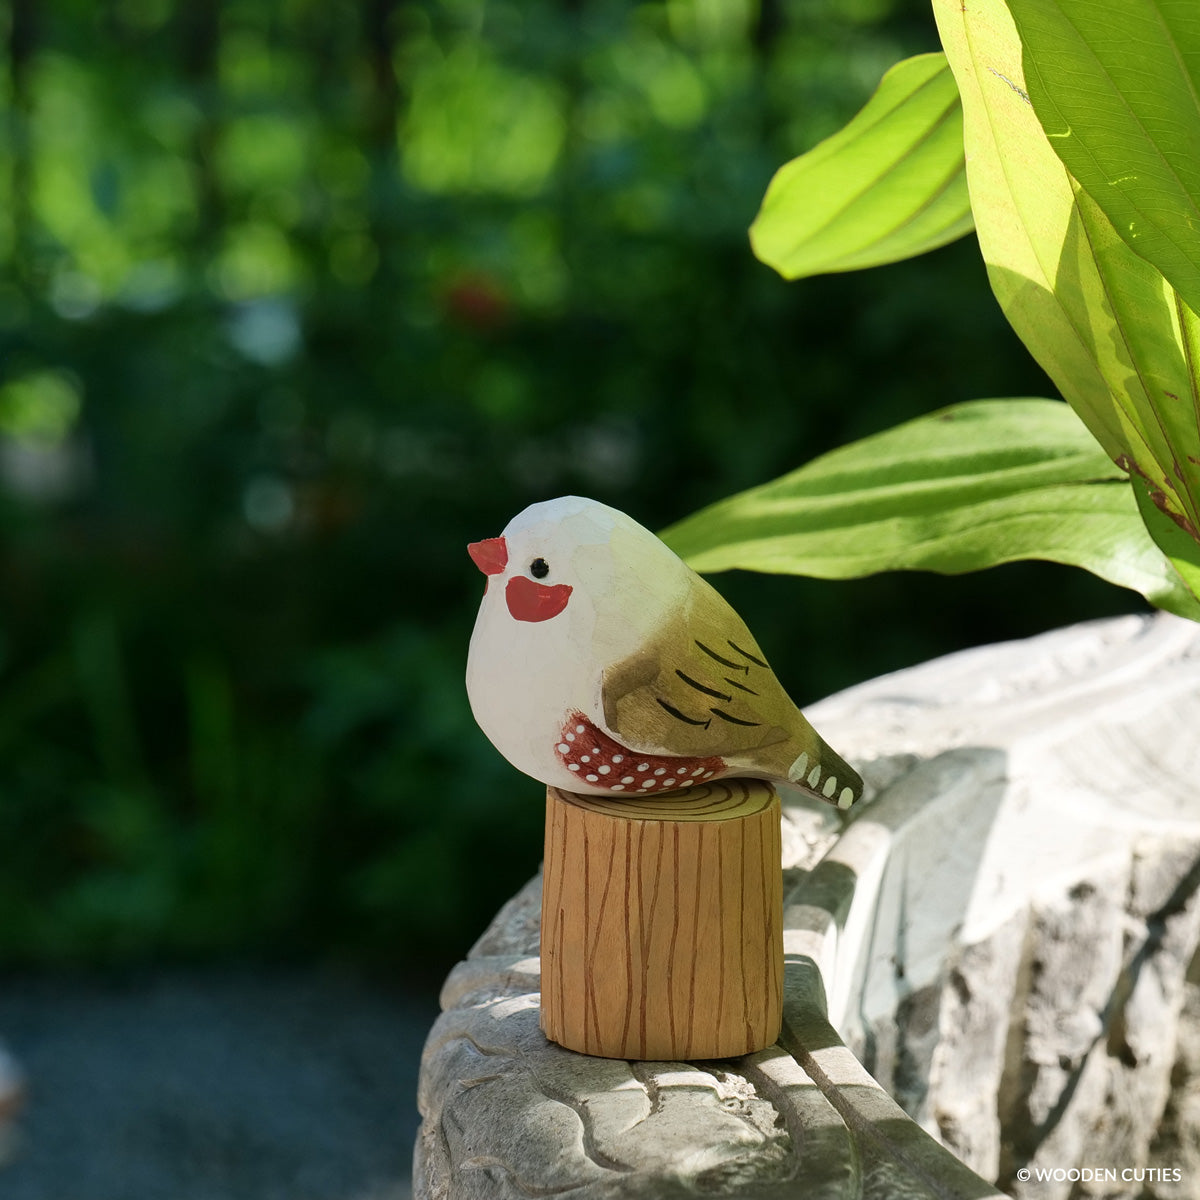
x=1116 y=85
x=1104 y=324
x=1180 y=548
x=888 y=186
x=971 y=486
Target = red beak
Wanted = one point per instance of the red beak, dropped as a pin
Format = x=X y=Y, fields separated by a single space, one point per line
x=490 y=556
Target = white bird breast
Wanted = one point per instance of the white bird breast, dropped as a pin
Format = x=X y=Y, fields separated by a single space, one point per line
x=521 y=674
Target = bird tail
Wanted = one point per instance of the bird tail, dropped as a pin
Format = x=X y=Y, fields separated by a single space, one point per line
x=827 y=775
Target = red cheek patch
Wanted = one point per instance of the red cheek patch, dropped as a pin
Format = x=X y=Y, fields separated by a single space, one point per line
x=531 y=601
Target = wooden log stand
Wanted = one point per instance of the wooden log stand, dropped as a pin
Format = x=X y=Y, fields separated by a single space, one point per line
x=662 y=922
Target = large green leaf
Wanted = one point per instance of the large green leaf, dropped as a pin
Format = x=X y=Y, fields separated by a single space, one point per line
x=1116 y=85
x=889 y=186
x=1181 y=550
x=1110 y=331
x=971 y=486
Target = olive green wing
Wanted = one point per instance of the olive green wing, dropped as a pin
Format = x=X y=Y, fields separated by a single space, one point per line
x=700 y=687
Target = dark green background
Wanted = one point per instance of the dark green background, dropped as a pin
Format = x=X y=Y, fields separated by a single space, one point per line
x=299 y=298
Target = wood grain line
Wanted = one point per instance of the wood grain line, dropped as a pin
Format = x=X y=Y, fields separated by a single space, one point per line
x=766 y=894
x=629 y=987
x=648 y=924
x=671 y=976
x=560 y=1024
x=692 y=981
x=589 y=1003
x=595 y=945
x=743 y=904
x=721 y=911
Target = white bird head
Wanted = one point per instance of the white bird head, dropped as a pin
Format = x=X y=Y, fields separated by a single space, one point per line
x=570 y=555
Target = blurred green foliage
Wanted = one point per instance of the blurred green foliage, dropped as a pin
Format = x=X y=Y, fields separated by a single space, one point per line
x=297 y=299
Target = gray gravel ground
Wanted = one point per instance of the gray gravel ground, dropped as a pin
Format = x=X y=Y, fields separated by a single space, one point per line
x=213 y=1085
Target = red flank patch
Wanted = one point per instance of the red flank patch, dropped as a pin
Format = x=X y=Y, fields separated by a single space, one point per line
x=599 y=760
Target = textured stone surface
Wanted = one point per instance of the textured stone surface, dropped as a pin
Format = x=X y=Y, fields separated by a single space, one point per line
x=509 y=1114
x=1002 y=935
x=1034 y=921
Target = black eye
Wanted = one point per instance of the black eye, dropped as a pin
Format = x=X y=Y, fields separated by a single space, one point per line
x=539 y=568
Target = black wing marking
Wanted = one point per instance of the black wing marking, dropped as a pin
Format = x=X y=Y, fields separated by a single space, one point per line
x=716 y=712
x=700 y=687
x=740 y=686
x=725 y=662
x=747 y=654
x=681 y=716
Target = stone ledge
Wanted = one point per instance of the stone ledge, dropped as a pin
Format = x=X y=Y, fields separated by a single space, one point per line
x=1002 y=936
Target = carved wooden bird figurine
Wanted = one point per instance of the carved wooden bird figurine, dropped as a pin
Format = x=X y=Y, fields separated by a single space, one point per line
x=601 y=662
